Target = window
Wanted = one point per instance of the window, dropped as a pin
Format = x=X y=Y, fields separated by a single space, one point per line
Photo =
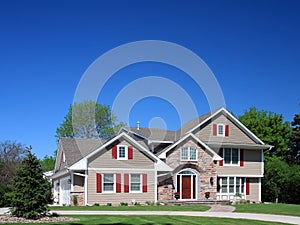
x=135 y=183
x=188 y=154
x=231 y=156
x=122 y=152
x=231 y=185
x=108 y=183
x=221 y=130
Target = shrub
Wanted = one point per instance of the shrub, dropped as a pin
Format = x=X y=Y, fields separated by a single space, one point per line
x=123 y=204
x=108 y=204
x=96 y=204
x=75 y=200
x=149 y=203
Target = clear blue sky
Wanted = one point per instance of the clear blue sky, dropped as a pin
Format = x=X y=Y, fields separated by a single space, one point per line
x=252 y=47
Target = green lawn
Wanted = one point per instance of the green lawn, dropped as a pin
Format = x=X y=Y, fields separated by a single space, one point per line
x=281 y=209
x=134 y=208
x=165 y=220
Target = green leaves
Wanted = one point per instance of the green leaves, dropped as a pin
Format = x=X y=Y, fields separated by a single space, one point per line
x=88 y=119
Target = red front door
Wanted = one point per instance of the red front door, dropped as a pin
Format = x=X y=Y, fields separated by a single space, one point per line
x=186 y=187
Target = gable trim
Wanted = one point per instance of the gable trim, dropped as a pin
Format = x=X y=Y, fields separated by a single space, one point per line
x=234 y=120
x=163 y=155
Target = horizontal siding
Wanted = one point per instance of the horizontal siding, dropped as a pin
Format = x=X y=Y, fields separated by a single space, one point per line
x=116 y=198
x=235 y=134
x=252 y=165
x=104 y=159
x=254 y=190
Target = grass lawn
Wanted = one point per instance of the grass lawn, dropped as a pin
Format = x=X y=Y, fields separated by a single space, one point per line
x=281 y=209
x=165 y=220
x=134 y=208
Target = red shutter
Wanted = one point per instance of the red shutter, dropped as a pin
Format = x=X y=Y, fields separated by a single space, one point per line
x=130 y=152
x=221 y=154
x=215 y=129
x=226 y=130
x=145 y=187
x=99 y=182
x=126 y=182
x=241 y=157
x=114 y=152
x=118 y=182
x=247 y=186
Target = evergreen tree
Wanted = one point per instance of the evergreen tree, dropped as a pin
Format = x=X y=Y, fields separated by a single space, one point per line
x=295 y=154
x=30 y=192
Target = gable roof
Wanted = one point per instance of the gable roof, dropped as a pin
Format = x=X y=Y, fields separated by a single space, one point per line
x=161 y=166
x=234 y=120
x=163 y=154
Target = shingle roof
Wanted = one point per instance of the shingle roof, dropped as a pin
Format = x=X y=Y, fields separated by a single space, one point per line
x=154 y=134
x=77 y=148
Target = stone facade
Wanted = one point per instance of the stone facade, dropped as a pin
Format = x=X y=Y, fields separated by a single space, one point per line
x=204 y=167
x=80 y=198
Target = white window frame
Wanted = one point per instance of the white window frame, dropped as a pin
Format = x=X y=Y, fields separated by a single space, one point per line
x=141 y=183
x=241 y=184
x=223 y=129
x=230 y=163
x=189 y=148
x=118 y=152
x=114 y=189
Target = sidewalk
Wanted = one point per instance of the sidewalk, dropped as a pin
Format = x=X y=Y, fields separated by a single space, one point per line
x=215 y=211
x=252 y=216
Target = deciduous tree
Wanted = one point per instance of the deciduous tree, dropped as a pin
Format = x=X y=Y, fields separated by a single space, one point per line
x=88 y=119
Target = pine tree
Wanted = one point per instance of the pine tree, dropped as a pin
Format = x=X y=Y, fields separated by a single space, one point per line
x=30 y=192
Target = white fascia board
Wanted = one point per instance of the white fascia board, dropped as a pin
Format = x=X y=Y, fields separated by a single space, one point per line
x=161 y=166
x=215 y=155
x=242 y=126
x=238 y=145
x=80 y=165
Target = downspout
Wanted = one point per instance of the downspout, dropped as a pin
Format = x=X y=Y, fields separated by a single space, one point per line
x=155 y=183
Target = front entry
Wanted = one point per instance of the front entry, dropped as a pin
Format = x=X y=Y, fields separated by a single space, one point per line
x=187 y=184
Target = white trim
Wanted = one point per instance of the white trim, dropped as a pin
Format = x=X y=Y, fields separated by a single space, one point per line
x=86 y=183
x=118 y=152
x=120 y=169
x=192 y=183
x=224 y=111
x=155 y=185
x=239 y=175
x=223 y=129
x=141 y=183
x=231 y=164
x=114 y=177
x=215 y=156
x=262 y=163
x=259 y=189
x=72 y=180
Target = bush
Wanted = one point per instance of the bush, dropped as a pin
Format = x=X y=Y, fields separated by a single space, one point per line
x=96 y=204
x=123 y=204
x=149 y=203
x=108 y=204
x=75 y=200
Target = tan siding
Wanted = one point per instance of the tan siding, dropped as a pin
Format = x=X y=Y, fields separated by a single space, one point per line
x=78 y=184
x=116 y=198
x=252 y=165
x=104 y=159
x=254 y=190
x=235 y=134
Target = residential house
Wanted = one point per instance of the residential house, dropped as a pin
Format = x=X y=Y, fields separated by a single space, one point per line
x=212 y=157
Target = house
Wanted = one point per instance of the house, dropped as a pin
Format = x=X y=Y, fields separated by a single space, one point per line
x=211 y=157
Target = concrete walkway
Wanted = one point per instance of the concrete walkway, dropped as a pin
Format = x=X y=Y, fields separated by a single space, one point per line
x=215 y=211
x=251 y=216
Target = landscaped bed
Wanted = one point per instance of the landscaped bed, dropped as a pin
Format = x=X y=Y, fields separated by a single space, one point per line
x=135 y=208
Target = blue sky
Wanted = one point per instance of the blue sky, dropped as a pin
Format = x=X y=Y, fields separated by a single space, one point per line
x=252 y=47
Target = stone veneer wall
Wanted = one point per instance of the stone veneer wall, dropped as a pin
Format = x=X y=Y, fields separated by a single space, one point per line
x=205 y=167
x=80 y=198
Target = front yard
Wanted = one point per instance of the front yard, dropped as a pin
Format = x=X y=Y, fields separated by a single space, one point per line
x=280 y=209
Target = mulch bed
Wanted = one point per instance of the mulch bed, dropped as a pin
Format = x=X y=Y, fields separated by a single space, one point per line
x=13 y=219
